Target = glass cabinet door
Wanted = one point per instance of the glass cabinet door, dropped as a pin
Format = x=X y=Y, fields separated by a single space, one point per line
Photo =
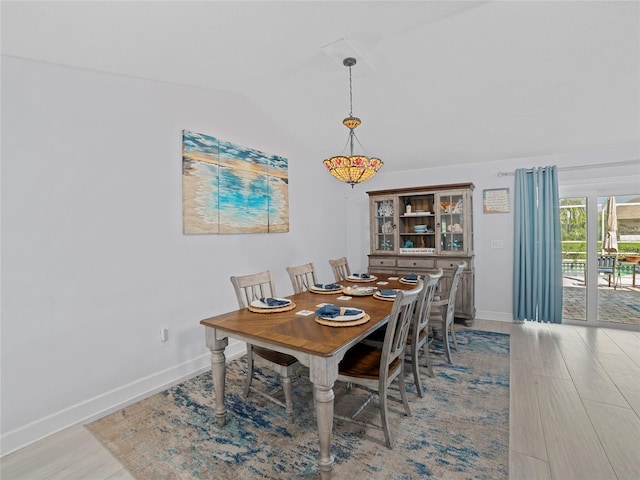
x=383 y=225
x=451 y=208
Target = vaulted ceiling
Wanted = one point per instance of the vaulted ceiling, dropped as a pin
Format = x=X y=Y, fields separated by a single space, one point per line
x=436 y=83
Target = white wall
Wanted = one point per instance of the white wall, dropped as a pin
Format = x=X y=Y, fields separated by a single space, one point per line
x=94 y=261
x=493 y=277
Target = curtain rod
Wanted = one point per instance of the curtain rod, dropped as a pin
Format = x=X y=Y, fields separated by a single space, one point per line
x=580 y=167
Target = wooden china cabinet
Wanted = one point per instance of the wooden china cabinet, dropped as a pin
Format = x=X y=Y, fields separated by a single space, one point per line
x=420 y=229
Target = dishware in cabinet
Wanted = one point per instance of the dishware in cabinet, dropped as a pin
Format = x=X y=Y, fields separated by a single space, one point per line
x=417 y=223
x=454 y=222
x=383 y=224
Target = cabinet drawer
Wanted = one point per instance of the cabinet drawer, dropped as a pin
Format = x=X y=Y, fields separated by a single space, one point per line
x=444 y=263
x=382 y=262
x=449 y=264
x=415 y=263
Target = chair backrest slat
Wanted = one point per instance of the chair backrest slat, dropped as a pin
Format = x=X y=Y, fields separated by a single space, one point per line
x=452 y=292
x=302 y=277
x=251 y=287
x=340 y=267
x=402 y=312
x=607 y=261
x=425 y=300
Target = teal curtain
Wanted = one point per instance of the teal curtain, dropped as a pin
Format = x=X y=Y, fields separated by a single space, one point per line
x=537 y=265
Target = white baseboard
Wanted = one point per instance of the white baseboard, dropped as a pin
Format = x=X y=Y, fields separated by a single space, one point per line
x=497 y=316
x=111 y=401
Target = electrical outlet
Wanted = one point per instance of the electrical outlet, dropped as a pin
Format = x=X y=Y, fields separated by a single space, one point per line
x=497 y=244
x=164 y=335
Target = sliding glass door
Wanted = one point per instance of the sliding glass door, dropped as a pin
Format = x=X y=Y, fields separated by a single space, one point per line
x=617 y=256
x=601 y=251
x=573 y=223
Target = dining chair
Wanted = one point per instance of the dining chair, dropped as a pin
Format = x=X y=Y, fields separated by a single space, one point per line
x=249 y=288
x=607 y=266
x=302 y=277
x=442 y=315
x=418 y=337
x=340 y=267
x=375 y=369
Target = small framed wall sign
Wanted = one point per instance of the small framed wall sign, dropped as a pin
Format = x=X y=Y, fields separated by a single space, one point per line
x=495 y=200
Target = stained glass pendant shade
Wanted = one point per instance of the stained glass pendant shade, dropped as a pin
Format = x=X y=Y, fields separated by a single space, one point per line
x=352 y=169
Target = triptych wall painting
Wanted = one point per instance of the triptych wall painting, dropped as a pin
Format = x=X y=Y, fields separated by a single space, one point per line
x=227 y=188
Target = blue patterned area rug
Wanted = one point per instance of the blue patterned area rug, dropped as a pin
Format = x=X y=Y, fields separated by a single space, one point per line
x=458 y=430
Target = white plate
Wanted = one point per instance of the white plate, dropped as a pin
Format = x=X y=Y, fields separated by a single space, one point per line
x=360 y=279
x=379 y=294
x=258 y=304
x=313 y=287
x=346 y=318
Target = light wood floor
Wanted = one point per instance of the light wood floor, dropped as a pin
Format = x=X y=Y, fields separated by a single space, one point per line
x=575 y=406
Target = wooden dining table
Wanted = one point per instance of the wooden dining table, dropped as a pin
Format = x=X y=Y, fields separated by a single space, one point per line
x=318 y=347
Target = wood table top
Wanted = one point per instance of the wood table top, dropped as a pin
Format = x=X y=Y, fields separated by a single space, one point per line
x=303 y=333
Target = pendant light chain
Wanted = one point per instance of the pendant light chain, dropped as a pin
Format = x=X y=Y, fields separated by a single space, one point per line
x=350 y=94
x=351 y=132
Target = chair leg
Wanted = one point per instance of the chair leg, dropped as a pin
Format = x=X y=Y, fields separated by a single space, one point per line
x=249 y=377
x=403 y=392
x=453 y=337
x=445 y=339
x=384 y=413
x=416 y=371
x=286 y=386
x=427 y=358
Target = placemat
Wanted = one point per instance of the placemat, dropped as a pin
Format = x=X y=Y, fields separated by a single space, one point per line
x=386 y=299
x=327 y=292
x=285 y=308
x=331 y=323
x=363 y=280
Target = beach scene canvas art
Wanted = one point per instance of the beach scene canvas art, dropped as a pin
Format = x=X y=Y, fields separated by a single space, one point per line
x=227 y=188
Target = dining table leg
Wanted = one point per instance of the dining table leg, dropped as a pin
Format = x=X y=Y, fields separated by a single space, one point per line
x=218 y=372
x=323 y=373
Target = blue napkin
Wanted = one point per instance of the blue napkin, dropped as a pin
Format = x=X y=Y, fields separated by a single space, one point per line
x=329 y=286
x=275 y=302
x=362 y=275
x=388 y=293
x=331 y=311
x=411 y=277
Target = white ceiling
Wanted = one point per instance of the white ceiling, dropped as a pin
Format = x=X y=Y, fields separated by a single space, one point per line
x=437 y=82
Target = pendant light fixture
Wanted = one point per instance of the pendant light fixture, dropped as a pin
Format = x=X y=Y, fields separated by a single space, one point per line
x=352 y=169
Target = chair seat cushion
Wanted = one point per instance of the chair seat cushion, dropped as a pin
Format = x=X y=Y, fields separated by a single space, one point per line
x=363 y=361
x=606 y=270
x=275 y=357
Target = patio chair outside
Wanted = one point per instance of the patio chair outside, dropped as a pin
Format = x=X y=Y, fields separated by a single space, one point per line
x=607 y=266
